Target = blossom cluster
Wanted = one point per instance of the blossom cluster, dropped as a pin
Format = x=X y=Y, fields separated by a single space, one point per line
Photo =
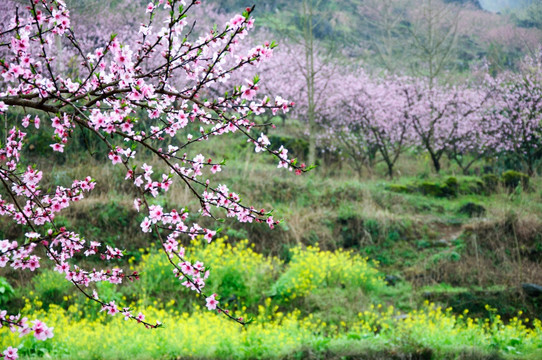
x=133 y=94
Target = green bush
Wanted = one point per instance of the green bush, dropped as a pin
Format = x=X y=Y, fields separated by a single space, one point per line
x=241 y=276
x=512 y=179
x=448 y=189
x=491 y=181
x=451 y=187
x=296 y=146
x=399 y=188
x=156 y=280
x=311 y=269
x=472 y=186
x=6 y=291
x=431 y=188
x=51 y=287
x=472 y=209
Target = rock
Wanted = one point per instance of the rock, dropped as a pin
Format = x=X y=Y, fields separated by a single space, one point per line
x=427 y=295
x=441 y=243
x=391 y=280
x=472 y=209
x=532 y=290
x=512 y=179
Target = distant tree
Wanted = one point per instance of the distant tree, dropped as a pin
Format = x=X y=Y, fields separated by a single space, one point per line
x=433 y=37
x=386 y=18
x=517 y=113
x=369 y=121
x=309 y=58
x=441 y=117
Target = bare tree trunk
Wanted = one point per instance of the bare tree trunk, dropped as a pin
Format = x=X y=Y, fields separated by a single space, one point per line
x=308 y=34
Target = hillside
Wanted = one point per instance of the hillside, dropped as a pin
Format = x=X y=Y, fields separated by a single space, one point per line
x=379 y=33
x=501 y=5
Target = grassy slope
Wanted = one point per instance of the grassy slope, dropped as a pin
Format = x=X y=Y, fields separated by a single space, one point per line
x=422 y=239
x=432 y=250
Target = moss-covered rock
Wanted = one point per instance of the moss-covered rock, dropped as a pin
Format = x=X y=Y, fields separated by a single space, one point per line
x=472 y=209
x=512 y=179
x=491 y=182
x=472 y=186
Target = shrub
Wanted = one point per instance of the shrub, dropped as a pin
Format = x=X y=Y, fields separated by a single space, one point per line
x=240 y=275
x=472 y=209
x=512 y=179
x=299 y=147
x=399 y=188
x=451 y=186
x=438 y=190
x=469 y=186
x=50 y=287
x=491 y=181
x=6 y=291
x=311 y=268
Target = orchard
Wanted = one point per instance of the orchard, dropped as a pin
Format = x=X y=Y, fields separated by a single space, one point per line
x=498 y=117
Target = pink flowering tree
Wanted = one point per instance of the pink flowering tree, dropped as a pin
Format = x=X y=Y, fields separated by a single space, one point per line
x=132 y=94
x=471 y=131
x=516 y=112
x=366 y=121
x=381 y=114
x=443 y=119
x=287 y=75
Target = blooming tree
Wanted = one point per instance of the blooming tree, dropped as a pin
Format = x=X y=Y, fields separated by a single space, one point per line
x=286 y=74
x=440 y=116
x=132 y=94
x=516 y=112
x=377 y=112
x=376 y=119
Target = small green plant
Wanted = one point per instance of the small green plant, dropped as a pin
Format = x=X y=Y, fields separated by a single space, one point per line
x=6 y=291
x=51 y=287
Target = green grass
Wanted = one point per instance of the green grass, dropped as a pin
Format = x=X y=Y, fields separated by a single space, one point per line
x=424 y=241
